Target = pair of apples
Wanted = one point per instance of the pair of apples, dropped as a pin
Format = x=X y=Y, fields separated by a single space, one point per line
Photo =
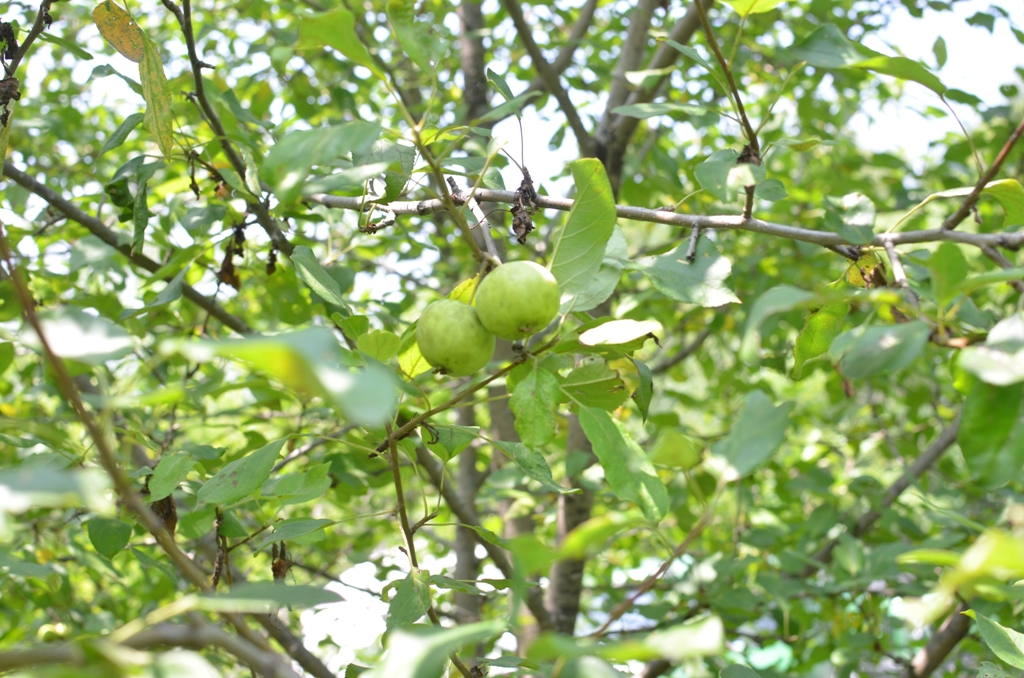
x=514 y=301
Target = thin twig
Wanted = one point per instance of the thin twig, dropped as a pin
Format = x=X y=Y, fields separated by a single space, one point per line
x=900 y=275
x=483 y=224
x=748 y=129
x=466 y=513
x=972 y=198
x=647 y=584
x=685 y=353
x=408 y=536
x=691 y=251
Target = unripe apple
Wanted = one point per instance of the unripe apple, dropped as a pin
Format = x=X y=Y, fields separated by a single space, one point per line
x=451 y=337
x=517 y=299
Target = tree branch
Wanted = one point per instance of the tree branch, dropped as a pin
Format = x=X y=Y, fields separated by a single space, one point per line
x=972 y=198
x=685 y=353
x=928 y=658
x=1003 y=263
x=196 y=636
x=624 y=126
x=550 y=77
x=110 y=237
x=630 y=58
x=471 y=58
x=925 y=461
x=1011 y=240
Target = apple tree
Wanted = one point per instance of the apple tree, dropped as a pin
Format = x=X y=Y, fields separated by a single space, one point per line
x=413 y=339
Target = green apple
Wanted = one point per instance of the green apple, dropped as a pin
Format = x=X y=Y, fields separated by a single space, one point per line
x=517 y=299
x=451 y=338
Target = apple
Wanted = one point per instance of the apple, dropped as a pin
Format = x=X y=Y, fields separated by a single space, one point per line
x=517 y=299
x=451 y=338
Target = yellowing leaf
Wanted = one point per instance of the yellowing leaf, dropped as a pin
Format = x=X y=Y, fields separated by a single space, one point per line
x=747 y=7
x=119 y=29
x=159 y=118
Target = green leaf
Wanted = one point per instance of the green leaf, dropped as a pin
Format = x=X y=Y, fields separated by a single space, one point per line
x=627 y=469
x=316 y=276
x=410 y=360
x=121 y=133
x=534 y=402
x=827 y=47
x=159 y=118
x=852 y=217
x=293 y=529
x=76 y=335
x=620 y=332
x=450 y=440
x=820 y=328
x=578 y=246
x=242 y=477
x=690 y=52
x=778 y=299
x=168 y=474
x=1000 y=360
x=991 y=434
x=1004 y=642
x=1010 y=195
x=335 y=29
x=644 y=392
x=290 y=161
x=309 y=361
x=590 y=537
x=748 y=7
x=415 y=38
x=140 y=219
x=264 y=597
x=726 y=180
x=703 y=282
x=651 y=110
x=498 y=83
x=411 y=601
x=533 y=464
x=939 y=50
x=771 y=190
x=738 y=671
x=108 y=536
x=380 y=345
x=594 y=384
x=870 y=349
x=298 y=488
x=423 y=652
x=170 y=293
x=949 y=268
x=755 y=435
x=990 y=670
x=675 y=450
